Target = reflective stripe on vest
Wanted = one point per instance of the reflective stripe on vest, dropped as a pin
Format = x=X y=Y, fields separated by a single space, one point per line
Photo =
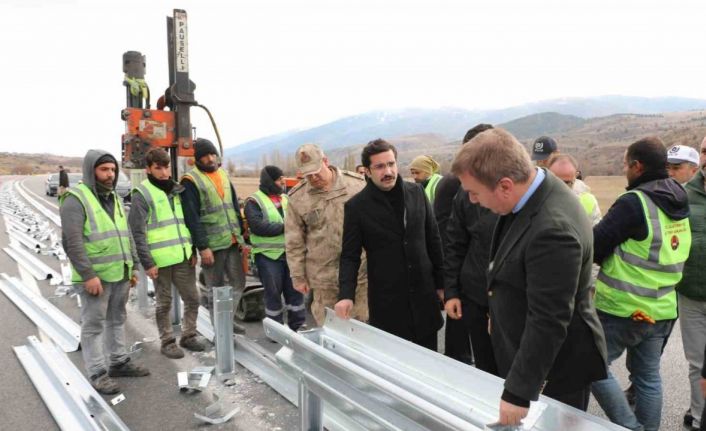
x=218 y=215
x=641 y=275
x=168 y=238
x=270 y=246
x=430 y=189
x=107 y=241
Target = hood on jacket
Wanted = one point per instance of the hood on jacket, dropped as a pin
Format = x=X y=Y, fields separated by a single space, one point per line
x=268 y=175
x=669 y=196
x=581 y=187
x=89 y=166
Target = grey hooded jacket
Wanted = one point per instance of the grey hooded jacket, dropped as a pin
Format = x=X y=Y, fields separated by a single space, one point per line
x=73 y=218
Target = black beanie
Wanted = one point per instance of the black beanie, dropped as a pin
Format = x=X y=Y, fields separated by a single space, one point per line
x=274 y=172
x=203 y=147
x=105 y=158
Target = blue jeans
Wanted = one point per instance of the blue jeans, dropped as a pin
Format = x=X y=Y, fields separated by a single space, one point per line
x=644 y=343
x=275 y=278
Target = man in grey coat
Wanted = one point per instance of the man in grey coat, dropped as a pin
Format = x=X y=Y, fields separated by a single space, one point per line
x=544 y=328
x=98 y=243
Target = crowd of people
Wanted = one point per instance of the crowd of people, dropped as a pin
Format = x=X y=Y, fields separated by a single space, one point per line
x=538 y=286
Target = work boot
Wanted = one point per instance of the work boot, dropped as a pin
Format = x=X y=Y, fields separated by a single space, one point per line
x=238 y=328
x=171 y=351
x=128 y=369
x=191 y=343
x=102 y=383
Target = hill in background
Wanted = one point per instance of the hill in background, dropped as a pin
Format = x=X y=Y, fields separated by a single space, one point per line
x=450 y=124
x=597 y=143
x=29 y=164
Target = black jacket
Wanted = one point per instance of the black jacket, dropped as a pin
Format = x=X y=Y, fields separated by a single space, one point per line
x=544 y=325
x=191 y=205
x=404 y=260
x=446 y=190
x=467 y=250
x=626 y=218
x=63 y=178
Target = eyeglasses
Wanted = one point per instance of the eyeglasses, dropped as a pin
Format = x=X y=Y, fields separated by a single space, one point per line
x=381 y=166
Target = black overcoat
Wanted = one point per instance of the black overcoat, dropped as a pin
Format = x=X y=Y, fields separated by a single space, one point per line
x=404 y=260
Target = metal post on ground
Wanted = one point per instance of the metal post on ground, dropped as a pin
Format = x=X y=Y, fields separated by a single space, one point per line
x=176 y=307
x=223 y=328
x=311 y=414
x=142 y=301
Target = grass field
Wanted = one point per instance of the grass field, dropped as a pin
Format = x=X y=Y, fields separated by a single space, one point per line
x=606 y=189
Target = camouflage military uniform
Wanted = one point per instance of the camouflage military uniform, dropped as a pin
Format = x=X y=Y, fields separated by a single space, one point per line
x=313 y=234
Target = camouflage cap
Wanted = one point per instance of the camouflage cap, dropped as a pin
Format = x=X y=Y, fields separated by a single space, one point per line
x=309 y=159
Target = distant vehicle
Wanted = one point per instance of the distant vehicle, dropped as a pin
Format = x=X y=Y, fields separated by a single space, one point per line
x=51 y=186
x=123 y=186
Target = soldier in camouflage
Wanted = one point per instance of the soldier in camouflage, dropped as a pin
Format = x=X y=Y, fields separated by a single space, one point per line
x=314 y=230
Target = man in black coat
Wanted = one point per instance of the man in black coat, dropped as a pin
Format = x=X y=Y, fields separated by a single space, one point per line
x=393 y=221
x=457 y=343
x=466 y=255
x=543 y=324
x=63 y=180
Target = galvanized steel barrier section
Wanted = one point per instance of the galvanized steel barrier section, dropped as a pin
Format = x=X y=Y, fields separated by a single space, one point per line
x=381 y=382
x=59 y=327
x=73 y=403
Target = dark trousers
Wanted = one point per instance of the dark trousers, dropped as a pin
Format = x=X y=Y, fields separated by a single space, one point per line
x=275 y=278
x=578 y=399
x=475 y=320
x=457 y=342
x=430 y=341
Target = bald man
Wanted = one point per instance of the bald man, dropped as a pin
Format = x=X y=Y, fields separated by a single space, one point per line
x=565 y=167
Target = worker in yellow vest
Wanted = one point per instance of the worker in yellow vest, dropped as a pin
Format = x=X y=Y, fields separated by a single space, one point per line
x=96 y=238
x=566 y=168
x=265 y=211
x=164 y=247
x=425 y=172
x=212 y=214
x=641 y=245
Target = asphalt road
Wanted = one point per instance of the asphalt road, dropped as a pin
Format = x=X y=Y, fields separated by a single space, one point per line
x=151 y=403
x=155 y=403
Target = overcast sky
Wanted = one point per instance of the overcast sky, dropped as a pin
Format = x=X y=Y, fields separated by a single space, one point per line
x=266 y=66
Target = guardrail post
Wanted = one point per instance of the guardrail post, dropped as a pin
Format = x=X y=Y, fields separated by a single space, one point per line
x=311 y=411
x=223 y=328
x=142 y=302
x=176 y=307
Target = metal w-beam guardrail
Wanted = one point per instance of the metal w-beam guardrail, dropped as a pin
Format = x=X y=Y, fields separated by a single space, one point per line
x=64 y=331
x=381 y=382
x=73 y=403
x=46 y=212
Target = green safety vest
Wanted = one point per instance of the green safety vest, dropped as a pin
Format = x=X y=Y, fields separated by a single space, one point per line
x=167 y=236
x=107 y=242
x=218 y=214
x=641 y=275
x=270 y=246
x=588 y=202
x=430 y=189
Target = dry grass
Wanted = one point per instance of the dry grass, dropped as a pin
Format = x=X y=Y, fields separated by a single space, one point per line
x=245 y=186
x=606 y=189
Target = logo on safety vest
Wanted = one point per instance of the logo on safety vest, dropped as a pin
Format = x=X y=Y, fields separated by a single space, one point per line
x=675 y=242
